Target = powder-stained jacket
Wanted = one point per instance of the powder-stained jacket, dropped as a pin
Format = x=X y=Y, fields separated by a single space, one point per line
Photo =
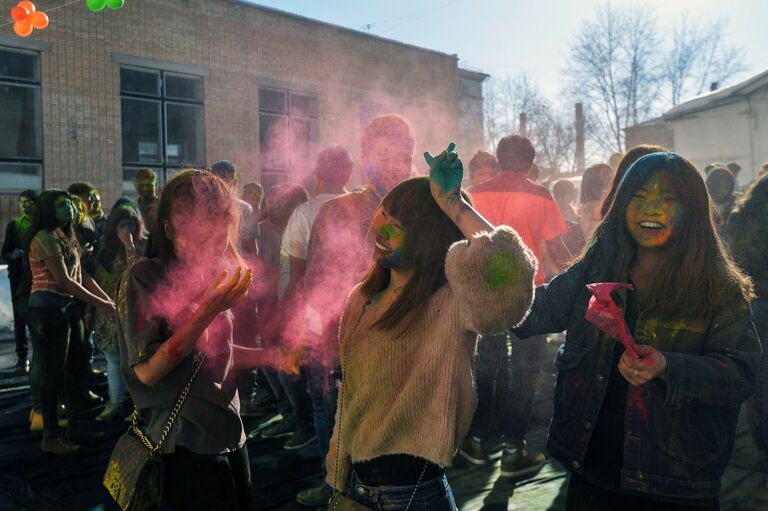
x=679 y=432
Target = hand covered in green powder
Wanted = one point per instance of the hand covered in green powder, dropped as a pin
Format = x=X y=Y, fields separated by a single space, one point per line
x=445 y=174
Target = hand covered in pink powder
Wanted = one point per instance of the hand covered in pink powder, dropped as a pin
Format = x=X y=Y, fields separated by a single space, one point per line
x=649 y=366
x=222 y=295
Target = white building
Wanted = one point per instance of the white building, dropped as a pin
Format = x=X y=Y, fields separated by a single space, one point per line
x=725 y=125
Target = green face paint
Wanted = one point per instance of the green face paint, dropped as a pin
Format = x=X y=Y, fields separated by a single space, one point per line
x=654 y=213
x=390 y=240
x=65 y=210
x=26 y=207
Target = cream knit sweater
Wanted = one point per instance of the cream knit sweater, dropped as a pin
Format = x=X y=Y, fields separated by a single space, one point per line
x=414 y=393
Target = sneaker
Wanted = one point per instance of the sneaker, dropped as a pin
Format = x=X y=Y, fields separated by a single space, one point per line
x=281 y=429
x=22 y=366
x=473 y=450
x=521 y=462
x=112 y=412
x=302 y=437
x=317 y=496
x=57 y=444
x=35 y=420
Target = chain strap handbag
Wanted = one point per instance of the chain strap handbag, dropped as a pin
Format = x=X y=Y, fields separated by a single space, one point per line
x=135 y=474
x=340 y=501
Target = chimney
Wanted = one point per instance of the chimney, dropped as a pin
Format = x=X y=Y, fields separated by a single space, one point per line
x=712 y=86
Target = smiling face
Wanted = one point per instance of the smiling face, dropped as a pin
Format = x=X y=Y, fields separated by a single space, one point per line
x=653 y=214
x=65 y=210
x=390 y=240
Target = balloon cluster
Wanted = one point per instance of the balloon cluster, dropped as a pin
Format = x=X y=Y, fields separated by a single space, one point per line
x=26 y=18
x=98 y=5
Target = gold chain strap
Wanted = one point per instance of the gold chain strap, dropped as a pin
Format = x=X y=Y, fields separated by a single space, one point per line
x=171 y=418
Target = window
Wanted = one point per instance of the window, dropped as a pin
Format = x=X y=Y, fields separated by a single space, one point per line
x=162 y=123
x=21 y=151
x=287 y=134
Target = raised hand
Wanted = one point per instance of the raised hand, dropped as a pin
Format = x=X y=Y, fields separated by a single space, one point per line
x=222 y=295
x=445 y=174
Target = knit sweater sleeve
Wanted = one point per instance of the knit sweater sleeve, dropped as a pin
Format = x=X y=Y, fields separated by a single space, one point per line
x=492 y=280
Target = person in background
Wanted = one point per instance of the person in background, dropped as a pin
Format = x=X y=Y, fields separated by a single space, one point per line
x=735 y=169
x=614 y=159
x=564 y=193
x=482 y=167
x=594 y=184
x=339 y=248
x=118 y=252
x=253 y=194
x=333 y=169
x=58 y=282
x=747 y=236
x=13 y=254
x=91 y=200
x=627 y=160
x=514 y=200
x=721 y=186
x=145 y=184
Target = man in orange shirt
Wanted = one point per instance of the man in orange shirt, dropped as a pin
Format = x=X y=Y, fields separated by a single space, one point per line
x=512 y=199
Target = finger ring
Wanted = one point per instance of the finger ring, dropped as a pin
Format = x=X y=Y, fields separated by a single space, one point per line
x=635 y=373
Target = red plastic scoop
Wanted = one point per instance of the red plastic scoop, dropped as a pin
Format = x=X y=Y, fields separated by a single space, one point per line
x=606 y=316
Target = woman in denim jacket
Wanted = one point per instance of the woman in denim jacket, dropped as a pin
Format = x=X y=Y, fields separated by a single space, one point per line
x=657 y=430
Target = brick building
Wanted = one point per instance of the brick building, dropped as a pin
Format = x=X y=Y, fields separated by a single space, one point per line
x=173 y=83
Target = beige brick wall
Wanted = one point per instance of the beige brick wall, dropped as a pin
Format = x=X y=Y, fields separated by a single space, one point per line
x=241 y=47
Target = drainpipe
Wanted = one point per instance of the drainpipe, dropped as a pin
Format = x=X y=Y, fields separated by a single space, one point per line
x=750 y=114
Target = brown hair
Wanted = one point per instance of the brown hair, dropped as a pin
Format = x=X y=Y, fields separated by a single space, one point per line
x=429 y=234
x=394 y=128
x=515 y=153
x=629 y=158
x=697 y=276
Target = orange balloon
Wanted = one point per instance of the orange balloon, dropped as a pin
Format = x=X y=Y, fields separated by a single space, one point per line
x=39 y=20
x=22 y=28
x=27 y=5
x=19 y=13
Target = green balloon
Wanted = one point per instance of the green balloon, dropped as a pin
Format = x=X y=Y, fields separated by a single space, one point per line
x=95 y=5
x=115 y=4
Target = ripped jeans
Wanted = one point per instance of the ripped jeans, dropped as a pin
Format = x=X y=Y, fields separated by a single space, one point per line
x=434 y=495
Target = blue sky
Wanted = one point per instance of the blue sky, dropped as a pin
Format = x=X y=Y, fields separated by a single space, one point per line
x=506 y=36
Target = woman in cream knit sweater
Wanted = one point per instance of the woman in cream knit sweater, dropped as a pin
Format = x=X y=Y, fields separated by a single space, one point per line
x=441 y=275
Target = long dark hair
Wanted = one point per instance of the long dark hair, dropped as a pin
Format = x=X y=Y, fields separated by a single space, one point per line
x=111 y=246
x=697 y=275
x=45 y=218
x=627 y=160
x=429 y=234
x=187 y=189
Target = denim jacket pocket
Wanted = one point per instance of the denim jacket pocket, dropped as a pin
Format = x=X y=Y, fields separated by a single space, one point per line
x=571 y=386
x=691 y=434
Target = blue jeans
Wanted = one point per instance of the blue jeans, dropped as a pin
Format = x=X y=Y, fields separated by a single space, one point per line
x=435 y=495
x=118 y=392
x=323 y=394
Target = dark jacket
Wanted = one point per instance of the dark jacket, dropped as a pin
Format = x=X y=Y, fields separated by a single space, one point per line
x=679 y=432
x=14 y=241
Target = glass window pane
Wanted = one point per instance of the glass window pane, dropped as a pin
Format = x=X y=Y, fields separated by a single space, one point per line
x=274 y=142
x=135 y=81
x=19 y=121
x=272 y=101
x=301 y=143
x=141 y=130
x=15 y=177
x=19 y=65
x=183 y=87
x=303 y=105
x=184 y=131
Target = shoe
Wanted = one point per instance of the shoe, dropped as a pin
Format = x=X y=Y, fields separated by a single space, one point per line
x=22 y=366
x=249 y=409
x=95 y=374
x=281 y=429
x=302 y=437
x=317 y=496
x=521 y=462
x=57 y=444
x=112 y=412
x=473 y=450
x=88 y=402
x=35 y=421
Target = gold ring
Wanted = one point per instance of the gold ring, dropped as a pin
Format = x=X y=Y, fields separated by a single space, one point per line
x=635 y=373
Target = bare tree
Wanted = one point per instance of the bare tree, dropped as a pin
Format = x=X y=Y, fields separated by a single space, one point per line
x=612 y=70
x=698 y=56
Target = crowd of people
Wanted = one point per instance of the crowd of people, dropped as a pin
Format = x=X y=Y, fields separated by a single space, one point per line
x=387 y=325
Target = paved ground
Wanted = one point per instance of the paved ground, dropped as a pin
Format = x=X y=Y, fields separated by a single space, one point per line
x=34 y=481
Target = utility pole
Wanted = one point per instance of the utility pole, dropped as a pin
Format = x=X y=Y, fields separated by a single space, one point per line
x=579 y=138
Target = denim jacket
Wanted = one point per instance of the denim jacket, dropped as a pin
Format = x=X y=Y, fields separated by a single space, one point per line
x=679 y=432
